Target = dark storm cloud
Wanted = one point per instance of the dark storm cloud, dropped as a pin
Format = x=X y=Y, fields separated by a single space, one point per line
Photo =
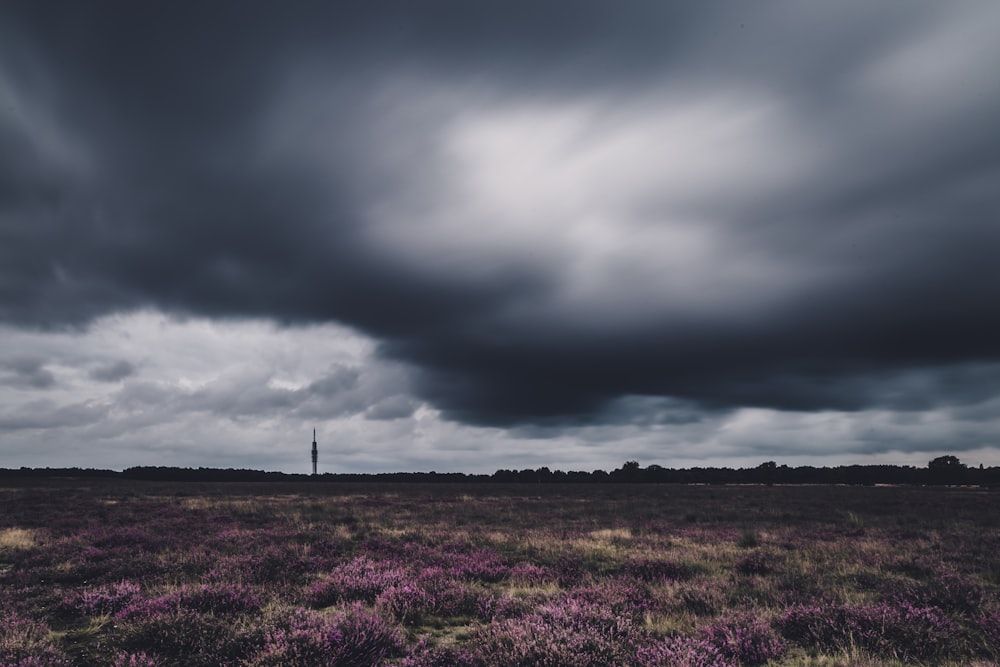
x=294 y=162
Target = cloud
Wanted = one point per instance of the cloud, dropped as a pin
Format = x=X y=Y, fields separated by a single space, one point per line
x=26 y=372
x=248 y=393
x=46 y=414
x=540 y=220
x=113 y=372
x=398 y=406
x=243 y=386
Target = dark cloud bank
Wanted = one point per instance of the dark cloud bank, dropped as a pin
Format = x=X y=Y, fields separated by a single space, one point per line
x=294 y=161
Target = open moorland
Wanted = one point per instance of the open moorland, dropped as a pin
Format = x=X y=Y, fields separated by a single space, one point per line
x=114 y=573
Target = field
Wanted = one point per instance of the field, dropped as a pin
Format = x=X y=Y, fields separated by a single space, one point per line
x=140 y=574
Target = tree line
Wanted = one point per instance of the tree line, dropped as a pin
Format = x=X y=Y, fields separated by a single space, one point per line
x=943 y=470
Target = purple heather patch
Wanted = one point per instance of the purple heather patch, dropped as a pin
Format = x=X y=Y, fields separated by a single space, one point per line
x=160 y=583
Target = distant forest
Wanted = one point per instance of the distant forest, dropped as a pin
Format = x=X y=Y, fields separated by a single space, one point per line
x=944 y=470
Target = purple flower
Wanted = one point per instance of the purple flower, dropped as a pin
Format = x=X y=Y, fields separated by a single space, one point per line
x=426 y=655
x=481 y=565
x=139 y=659
x=353 y=637
x=108 y=599
x=361 y=579
x=745 y=639
x=682 y=652
x=567 y=632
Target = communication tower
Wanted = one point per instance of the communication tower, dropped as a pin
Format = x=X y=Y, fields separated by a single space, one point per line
x=315 y=452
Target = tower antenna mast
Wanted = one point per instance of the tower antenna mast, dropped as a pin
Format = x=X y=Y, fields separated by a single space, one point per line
x=315 y=452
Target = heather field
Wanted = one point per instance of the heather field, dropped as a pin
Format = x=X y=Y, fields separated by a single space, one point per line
x=140 y=574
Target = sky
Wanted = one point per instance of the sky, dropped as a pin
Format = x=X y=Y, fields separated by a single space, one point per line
x=467 y=236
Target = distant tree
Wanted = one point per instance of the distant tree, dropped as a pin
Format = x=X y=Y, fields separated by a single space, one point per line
x=948 y=462
x=946 y=470
x=629 y=472
x=527 y=475
x=766 y=472
x=655 y=473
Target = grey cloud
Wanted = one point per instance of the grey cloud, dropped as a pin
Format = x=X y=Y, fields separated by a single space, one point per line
x=393 y=407
x=337 y=381
x=850 y=255
x=113 y=372
x=379 y=391
x=373 y=391
x=42 y=415
x=246 y=399
x=138 y=394
x=26 y=372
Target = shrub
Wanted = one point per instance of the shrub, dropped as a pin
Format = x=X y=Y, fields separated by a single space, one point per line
x=654 y=571
x=140 y=659
x=568 y=633
x=407 y=603
x=48 y=658
x=682 y=652
x=624 y=597
x=106 y=599
x=352 y=638
x=426 y=655
x=361 y=579
x=987 y=625
x=701 y=598
x=146 y=608
x=491 y=607
x=482 y=565
x=272 y=565
x=186 y=637
x=903 y=632
x=948 y=591
x=569 y=570
x=748 y=540
x=432 y=593
x=529 y=574
x=756 y=562
x=745 y=640
x=219 y=599
x=97 y=565
x=216 y=599
x=914 y=565
x=25 y=642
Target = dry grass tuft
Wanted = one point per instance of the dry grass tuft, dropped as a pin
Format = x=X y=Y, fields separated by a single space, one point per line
x=612 y=534
x=14 y=539
x=798 y=658
x=544 y=590
x=664 y=624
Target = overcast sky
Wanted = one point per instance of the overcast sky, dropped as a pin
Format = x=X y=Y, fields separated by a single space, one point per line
x=463 y=236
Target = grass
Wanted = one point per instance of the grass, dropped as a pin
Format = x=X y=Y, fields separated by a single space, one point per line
x=15 y=539
x=413 y=575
